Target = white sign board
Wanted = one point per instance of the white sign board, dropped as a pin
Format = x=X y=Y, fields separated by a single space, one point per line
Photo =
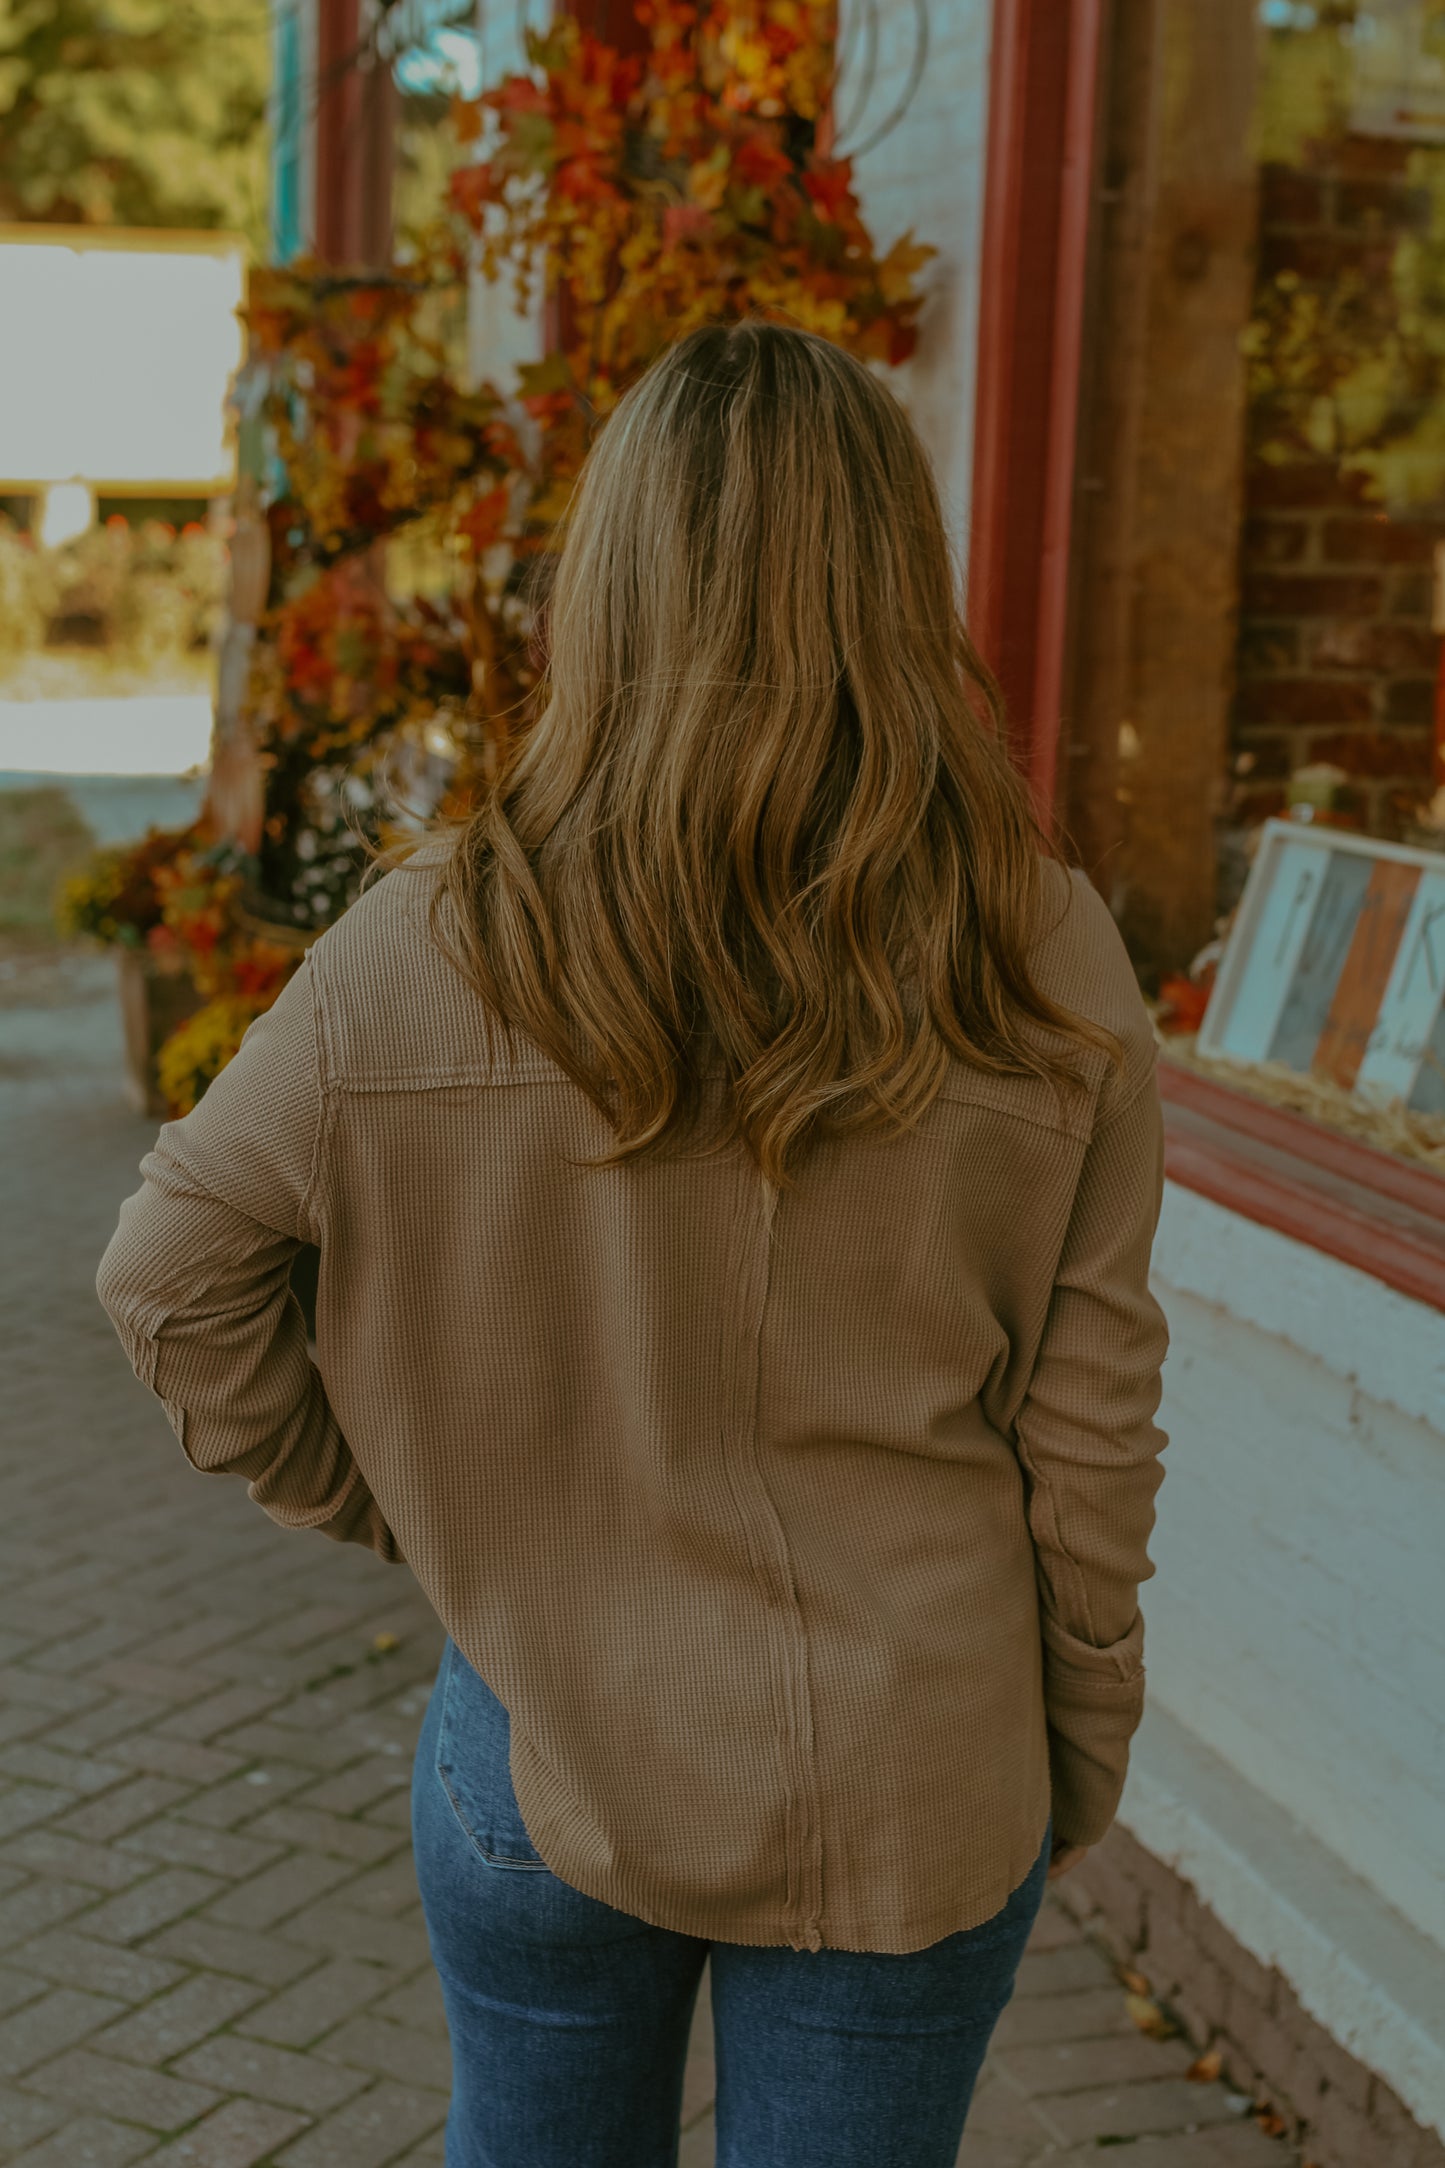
x=1335 y=965
x=116 y=354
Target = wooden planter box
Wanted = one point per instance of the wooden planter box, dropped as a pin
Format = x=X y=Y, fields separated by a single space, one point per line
x=153 y=1001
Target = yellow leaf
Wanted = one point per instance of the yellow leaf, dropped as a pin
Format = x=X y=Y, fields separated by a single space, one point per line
x=385 y=1643
x=899 y=268
x=1150 y=2017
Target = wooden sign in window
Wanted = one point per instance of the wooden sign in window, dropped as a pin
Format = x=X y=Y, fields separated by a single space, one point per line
x=1335 y=965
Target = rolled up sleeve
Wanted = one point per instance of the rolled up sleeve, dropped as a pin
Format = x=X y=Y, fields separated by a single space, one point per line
x=1090 y=1447
x=197 y=1281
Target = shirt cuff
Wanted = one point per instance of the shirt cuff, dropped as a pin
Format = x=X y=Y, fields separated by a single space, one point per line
x=1094 y=1698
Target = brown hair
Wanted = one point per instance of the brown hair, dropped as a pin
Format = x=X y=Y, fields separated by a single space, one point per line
x=764 y=821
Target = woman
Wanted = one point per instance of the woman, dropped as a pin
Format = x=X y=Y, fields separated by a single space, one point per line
x=734 y=1158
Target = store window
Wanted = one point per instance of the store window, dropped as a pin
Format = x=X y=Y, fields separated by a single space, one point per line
x=1250 y=738
x=1344 y=487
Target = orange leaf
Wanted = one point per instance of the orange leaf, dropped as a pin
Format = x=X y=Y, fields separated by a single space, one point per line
x=1206 y=2069
x=469 y=188
x=482 y=522
x=1270 y=2122
x=466 y=119
x=1136 y=1983
x=1183 y=1002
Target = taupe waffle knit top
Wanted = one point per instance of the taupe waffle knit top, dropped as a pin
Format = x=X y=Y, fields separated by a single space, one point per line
x=801 y=1537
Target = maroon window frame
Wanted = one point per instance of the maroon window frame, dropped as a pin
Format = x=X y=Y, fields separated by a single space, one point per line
x=1371 y=1209
x=1038 y=190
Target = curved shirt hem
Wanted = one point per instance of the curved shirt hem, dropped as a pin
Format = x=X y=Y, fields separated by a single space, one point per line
x=717 y=1918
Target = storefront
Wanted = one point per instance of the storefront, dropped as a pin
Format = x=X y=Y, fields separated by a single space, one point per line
x=1207 y=522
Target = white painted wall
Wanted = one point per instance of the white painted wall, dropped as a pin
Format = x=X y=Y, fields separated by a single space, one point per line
x=927 y=174
x=1296 y=1627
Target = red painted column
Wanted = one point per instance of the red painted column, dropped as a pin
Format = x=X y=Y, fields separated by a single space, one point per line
x=613 y=21
x=355 y=121
x=1038 y=191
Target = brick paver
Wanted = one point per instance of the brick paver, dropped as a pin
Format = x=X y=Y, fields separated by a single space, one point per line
x=211 y=1947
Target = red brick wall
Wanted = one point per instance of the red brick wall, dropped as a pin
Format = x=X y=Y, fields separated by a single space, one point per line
x=1337 y=2112
x=1336 y=656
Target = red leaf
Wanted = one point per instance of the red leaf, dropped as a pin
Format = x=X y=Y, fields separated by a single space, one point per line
x=830 y=191
x=470 y=187
x=482 y=522
x=758 y=162
x=685 y=222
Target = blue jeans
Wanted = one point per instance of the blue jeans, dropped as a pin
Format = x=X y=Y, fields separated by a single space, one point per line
x=569 y=2019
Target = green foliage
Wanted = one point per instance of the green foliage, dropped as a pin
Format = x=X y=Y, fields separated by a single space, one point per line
x=1350 y=367
x=428 y=152
x=1405 y=456
x=150 y=597
x=29 y=593
x=135 y=113
x=1304 y=87
x=1353 y=368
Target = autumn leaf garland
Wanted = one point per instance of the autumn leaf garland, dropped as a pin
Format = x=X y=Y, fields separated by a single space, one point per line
x=654 y=192
x=637 y=195
x=644 y=193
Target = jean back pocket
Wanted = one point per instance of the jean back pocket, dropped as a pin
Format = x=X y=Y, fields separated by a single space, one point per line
x=474 y=1740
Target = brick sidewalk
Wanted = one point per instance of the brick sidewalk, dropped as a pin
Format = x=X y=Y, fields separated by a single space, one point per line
x=211 y=1947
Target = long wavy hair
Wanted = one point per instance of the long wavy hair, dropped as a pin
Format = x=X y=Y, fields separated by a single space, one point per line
x=764 y=828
